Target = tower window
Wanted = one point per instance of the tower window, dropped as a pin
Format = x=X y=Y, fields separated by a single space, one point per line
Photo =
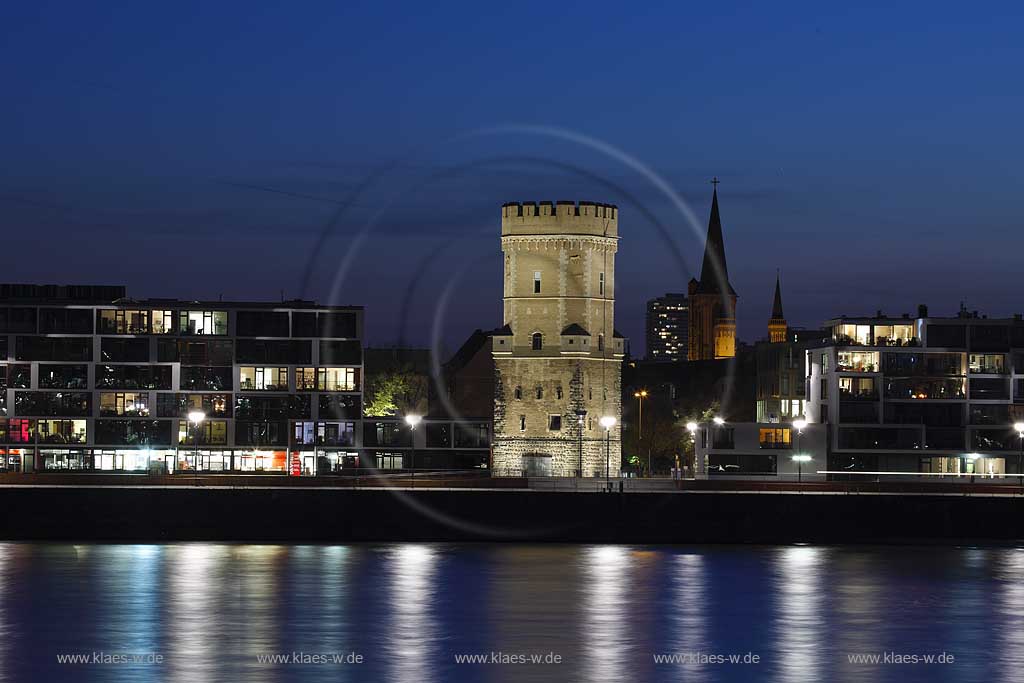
x=519 y=393
x=558 y=392
x=537 y=341
x=522 y=423
x=555 y=423
x=536 y=282
x=600 y=342
x=540 y=392
x=600 y=284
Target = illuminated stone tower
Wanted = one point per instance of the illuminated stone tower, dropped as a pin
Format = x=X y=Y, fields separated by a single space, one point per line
x=712 y=333
x=777 y=324
x=558 y=353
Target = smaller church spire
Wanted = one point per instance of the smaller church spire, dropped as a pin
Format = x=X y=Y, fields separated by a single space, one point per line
x=777 y=326
x=777 y=304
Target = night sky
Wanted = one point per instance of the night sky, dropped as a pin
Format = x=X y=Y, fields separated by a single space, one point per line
x=359 y=153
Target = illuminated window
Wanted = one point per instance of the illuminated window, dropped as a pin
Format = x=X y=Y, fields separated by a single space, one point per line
x=263 y=379
x=779 y=437
x=163 y=322
x=123 y=321
x=987 y=363
x=305 y=379
x=112 y=404
x=202 y=322
x=211 y=432
x=337 y=379
x=859 y=361
x=61 y=431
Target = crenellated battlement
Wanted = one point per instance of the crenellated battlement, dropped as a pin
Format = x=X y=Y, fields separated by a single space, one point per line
x=563 y=217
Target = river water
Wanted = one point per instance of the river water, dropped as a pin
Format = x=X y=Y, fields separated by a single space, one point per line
x=198 y=612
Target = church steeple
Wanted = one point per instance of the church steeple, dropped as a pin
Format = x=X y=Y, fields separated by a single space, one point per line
x=777 y=324
x=712 y=318
x=714 y=272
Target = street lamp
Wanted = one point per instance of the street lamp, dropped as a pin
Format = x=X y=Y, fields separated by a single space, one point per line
x=196 y=417
x=581 y=420
x=412 y=420
x=800 y=459
x=1019 y=427
x=640 y=396
x=718 y=420
x=799 y=425
x=608 y=421
x=691 y=427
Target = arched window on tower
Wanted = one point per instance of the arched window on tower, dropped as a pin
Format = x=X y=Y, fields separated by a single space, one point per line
x=540 y=392
x=519 y=393
x=538 y=341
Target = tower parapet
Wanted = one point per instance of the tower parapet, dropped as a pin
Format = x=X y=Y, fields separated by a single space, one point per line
x=560 y=218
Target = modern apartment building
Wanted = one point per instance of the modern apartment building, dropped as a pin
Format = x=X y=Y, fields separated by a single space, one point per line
x=95 y=381
x=759 y=451
x=667 y=325
x=920 y=395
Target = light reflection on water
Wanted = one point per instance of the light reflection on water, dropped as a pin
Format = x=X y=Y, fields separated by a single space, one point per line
x=800 y=621
x=212 y=611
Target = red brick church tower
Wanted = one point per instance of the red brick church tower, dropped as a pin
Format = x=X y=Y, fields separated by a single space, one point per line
x=712 y=324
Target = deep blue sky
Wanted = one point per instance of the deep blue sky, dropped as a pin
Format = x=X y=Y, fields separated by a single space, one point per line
x=201 y=149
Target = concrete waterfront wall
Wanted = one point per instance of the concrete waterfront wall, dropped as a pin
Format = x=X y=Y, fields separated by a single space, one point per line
x=338 y=515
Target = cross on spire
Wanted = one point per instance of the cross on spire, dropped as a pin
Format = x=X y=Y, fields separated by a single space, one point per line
x=715 y=181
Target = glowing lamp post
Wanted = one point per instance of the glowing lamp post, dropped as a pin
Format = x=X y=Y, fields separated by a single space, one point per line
x=412 y=420
x=799 y=424
x=692 y=428
x=608 y=421
x=196 y=417
x=800 y=459
x=640 y=396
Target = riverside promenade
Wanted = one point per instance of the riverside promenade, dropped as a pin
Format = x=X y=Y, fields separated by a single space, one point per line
x=477 y=508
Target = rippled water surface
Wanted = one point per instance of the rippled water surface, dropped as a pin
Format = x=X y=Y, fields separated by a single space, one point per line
x=206 y=612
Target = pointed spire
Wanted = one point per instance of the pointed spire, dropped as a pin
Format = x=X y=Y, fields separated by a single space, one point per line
x=714 y=271
x=777 y=304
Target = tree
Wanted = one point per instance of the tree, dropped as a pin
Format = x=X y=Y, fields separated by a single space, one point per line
x=662 y=438
x=394 y=392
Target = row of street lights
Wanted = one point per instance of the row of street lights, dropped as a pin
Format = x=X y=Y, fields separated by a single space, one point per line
x=196 y=417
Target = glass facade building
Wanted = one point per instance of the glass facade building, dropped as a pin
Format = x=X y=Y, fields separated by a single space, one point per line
x=89 y=385
x=920 y=395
